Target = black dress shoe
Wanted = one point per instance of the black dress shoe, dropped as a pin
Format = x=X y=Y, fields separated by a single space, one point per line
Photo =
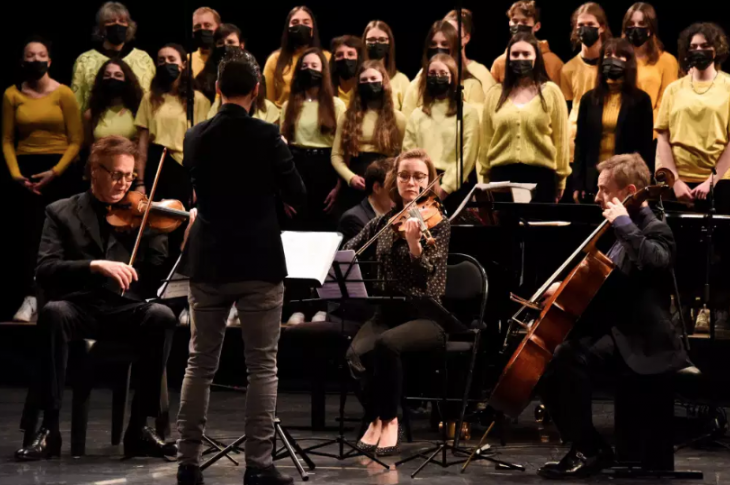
x=45 y=445
x=265 y=476
x=189 y=475
x=146 y=442
x=577 y=465
x=365 y=448
x=391 y=450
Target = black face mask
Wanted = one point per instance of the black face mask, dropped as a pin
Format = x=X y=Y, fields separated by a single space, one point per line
x=204 y=39
x=701 y=59
x=113 y=87
x=378 y=51
x=432 y=51
x=637 y=35
x=309 y=78
x=168 y=73
x=613 y=68
x=346 y=68
x=370 y=91
x=438 y=85
x=521 y=68
x=34 y=70
x=300 y=35
x=116 y=34
x=588 y=35
x=520 y=28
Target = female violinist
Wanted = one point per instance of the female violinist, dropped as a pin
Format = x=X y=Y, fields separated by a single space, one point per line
x=413 y=268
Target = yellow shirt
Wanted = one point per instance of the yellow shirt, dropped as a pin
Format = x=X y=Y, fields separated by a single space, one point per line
x=168 y=124
x=553 y=64
x=345 y=96
x=278 y=91
x=654 y=79
x=437 y=135
x=526 y=134
x=576 y=78
x=473 y=94
x=611 y=109
x=482 y=74
x=271 y=115
x=306 y=130
x=199 y=60
x=88 y=64
x=698 y=125
x=399 y=85
x=369 y=121
x=116 y=120
x=43 y=126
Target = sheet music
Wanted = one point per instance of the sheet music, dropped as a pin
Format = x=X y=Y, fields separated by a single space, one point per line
x=178 y=286
x=521 y=193
x=354 y=284
x=309 y=255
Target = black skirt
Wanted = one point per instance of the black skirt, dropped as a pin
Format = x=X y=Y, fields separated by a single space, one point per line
x=545 y=178
x=320 y=178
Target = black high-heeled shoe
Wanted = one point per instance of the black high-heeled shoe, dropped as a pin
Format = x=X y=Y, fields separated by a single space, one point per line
x=391 y=450
x=366 y=448
x=45 y=445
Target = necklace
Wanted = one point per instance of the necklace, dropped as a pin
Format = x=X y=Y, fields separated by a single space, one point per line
x=692 y=84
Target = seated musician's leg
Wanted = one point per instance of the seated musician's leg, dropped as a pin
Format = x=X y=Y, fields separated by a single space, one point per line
x=360 y=360
x=567 y=395
x=413 y=336
x=59 y=322
x=153 y=337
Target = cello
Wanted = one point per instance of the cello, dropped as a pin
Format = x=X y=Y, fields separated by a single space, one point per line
x=554 y=318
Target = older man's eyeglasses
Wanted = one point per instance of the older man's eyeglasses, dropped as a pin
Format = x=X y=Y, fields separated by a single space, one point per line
x=407 y=176
x=119 y=176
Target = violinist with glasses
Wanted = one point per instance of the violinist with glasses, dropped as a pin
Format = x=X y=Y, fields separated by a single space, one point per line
x=83 y=266
x=411 y=266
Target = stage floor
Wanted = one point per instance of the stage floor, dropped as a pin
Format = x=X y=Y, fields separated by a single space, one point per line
x=530 y=444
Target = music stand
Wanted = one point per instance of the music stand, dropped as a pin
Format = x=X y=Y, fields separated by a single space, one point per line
x=345 y=286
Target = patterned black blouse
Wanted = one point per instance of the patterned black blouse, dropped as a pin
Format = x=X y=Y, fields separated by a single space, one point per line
x=406 y=275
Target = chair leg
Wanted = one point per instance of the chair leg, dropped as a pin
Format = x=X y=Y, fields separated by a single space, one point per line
x=80 y=406
x=467 y=390
x=162 y=423
x=407 y=420
x=120 y=397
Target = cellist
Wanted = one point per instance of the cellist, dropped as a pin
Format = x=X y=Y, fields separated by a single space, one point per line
x=628 y=327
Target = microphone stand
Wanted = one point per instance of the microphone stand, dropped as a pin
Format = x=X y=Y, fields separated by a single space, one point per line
x=709 y=229
x=190 y=108
x=460 y=98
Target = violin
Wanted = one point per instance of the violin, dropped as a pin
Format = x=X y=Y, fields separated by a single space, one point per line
x=164 y=217
x=431 y=212
x=428 y=213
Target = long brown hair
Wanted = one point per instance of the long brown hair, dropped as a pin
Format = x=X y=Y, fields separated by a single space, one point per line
x=157 y=88
x=654 y=45
x=389 y=59
x=349 y=41
x=326 y=118
x=387 y=138
x=620 y=48
x=286 y=52
x=391 y=181
x=539 y=74
x=590 y=8
x=426 y=96
x=131 y=94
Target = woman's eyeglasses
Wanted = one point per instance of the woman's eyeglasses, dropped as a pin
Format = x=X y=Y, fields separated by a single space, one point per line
x=418 y=177
x=119 y=176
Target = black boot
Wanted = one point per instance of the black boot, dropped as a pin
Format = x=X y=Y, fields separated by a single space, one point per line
x=189 y=475
x=146 y=442
x=265 y=476
x=45 y=445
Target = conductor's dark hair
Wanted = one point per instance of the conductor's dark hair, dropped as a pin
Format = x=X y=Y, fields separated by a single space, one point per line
x=238 y=74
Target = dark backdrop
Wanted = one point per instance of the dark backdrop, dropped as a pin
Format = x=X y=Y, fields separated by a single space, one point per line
x=68 y=24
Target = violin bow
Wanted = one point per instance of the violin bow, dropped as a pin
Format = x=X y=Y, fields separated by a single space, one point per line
x=147 y=211
x=403 y=211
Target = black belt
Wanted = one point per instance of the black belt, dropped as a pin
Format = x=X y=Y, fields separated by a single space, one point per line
x=310 y=152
